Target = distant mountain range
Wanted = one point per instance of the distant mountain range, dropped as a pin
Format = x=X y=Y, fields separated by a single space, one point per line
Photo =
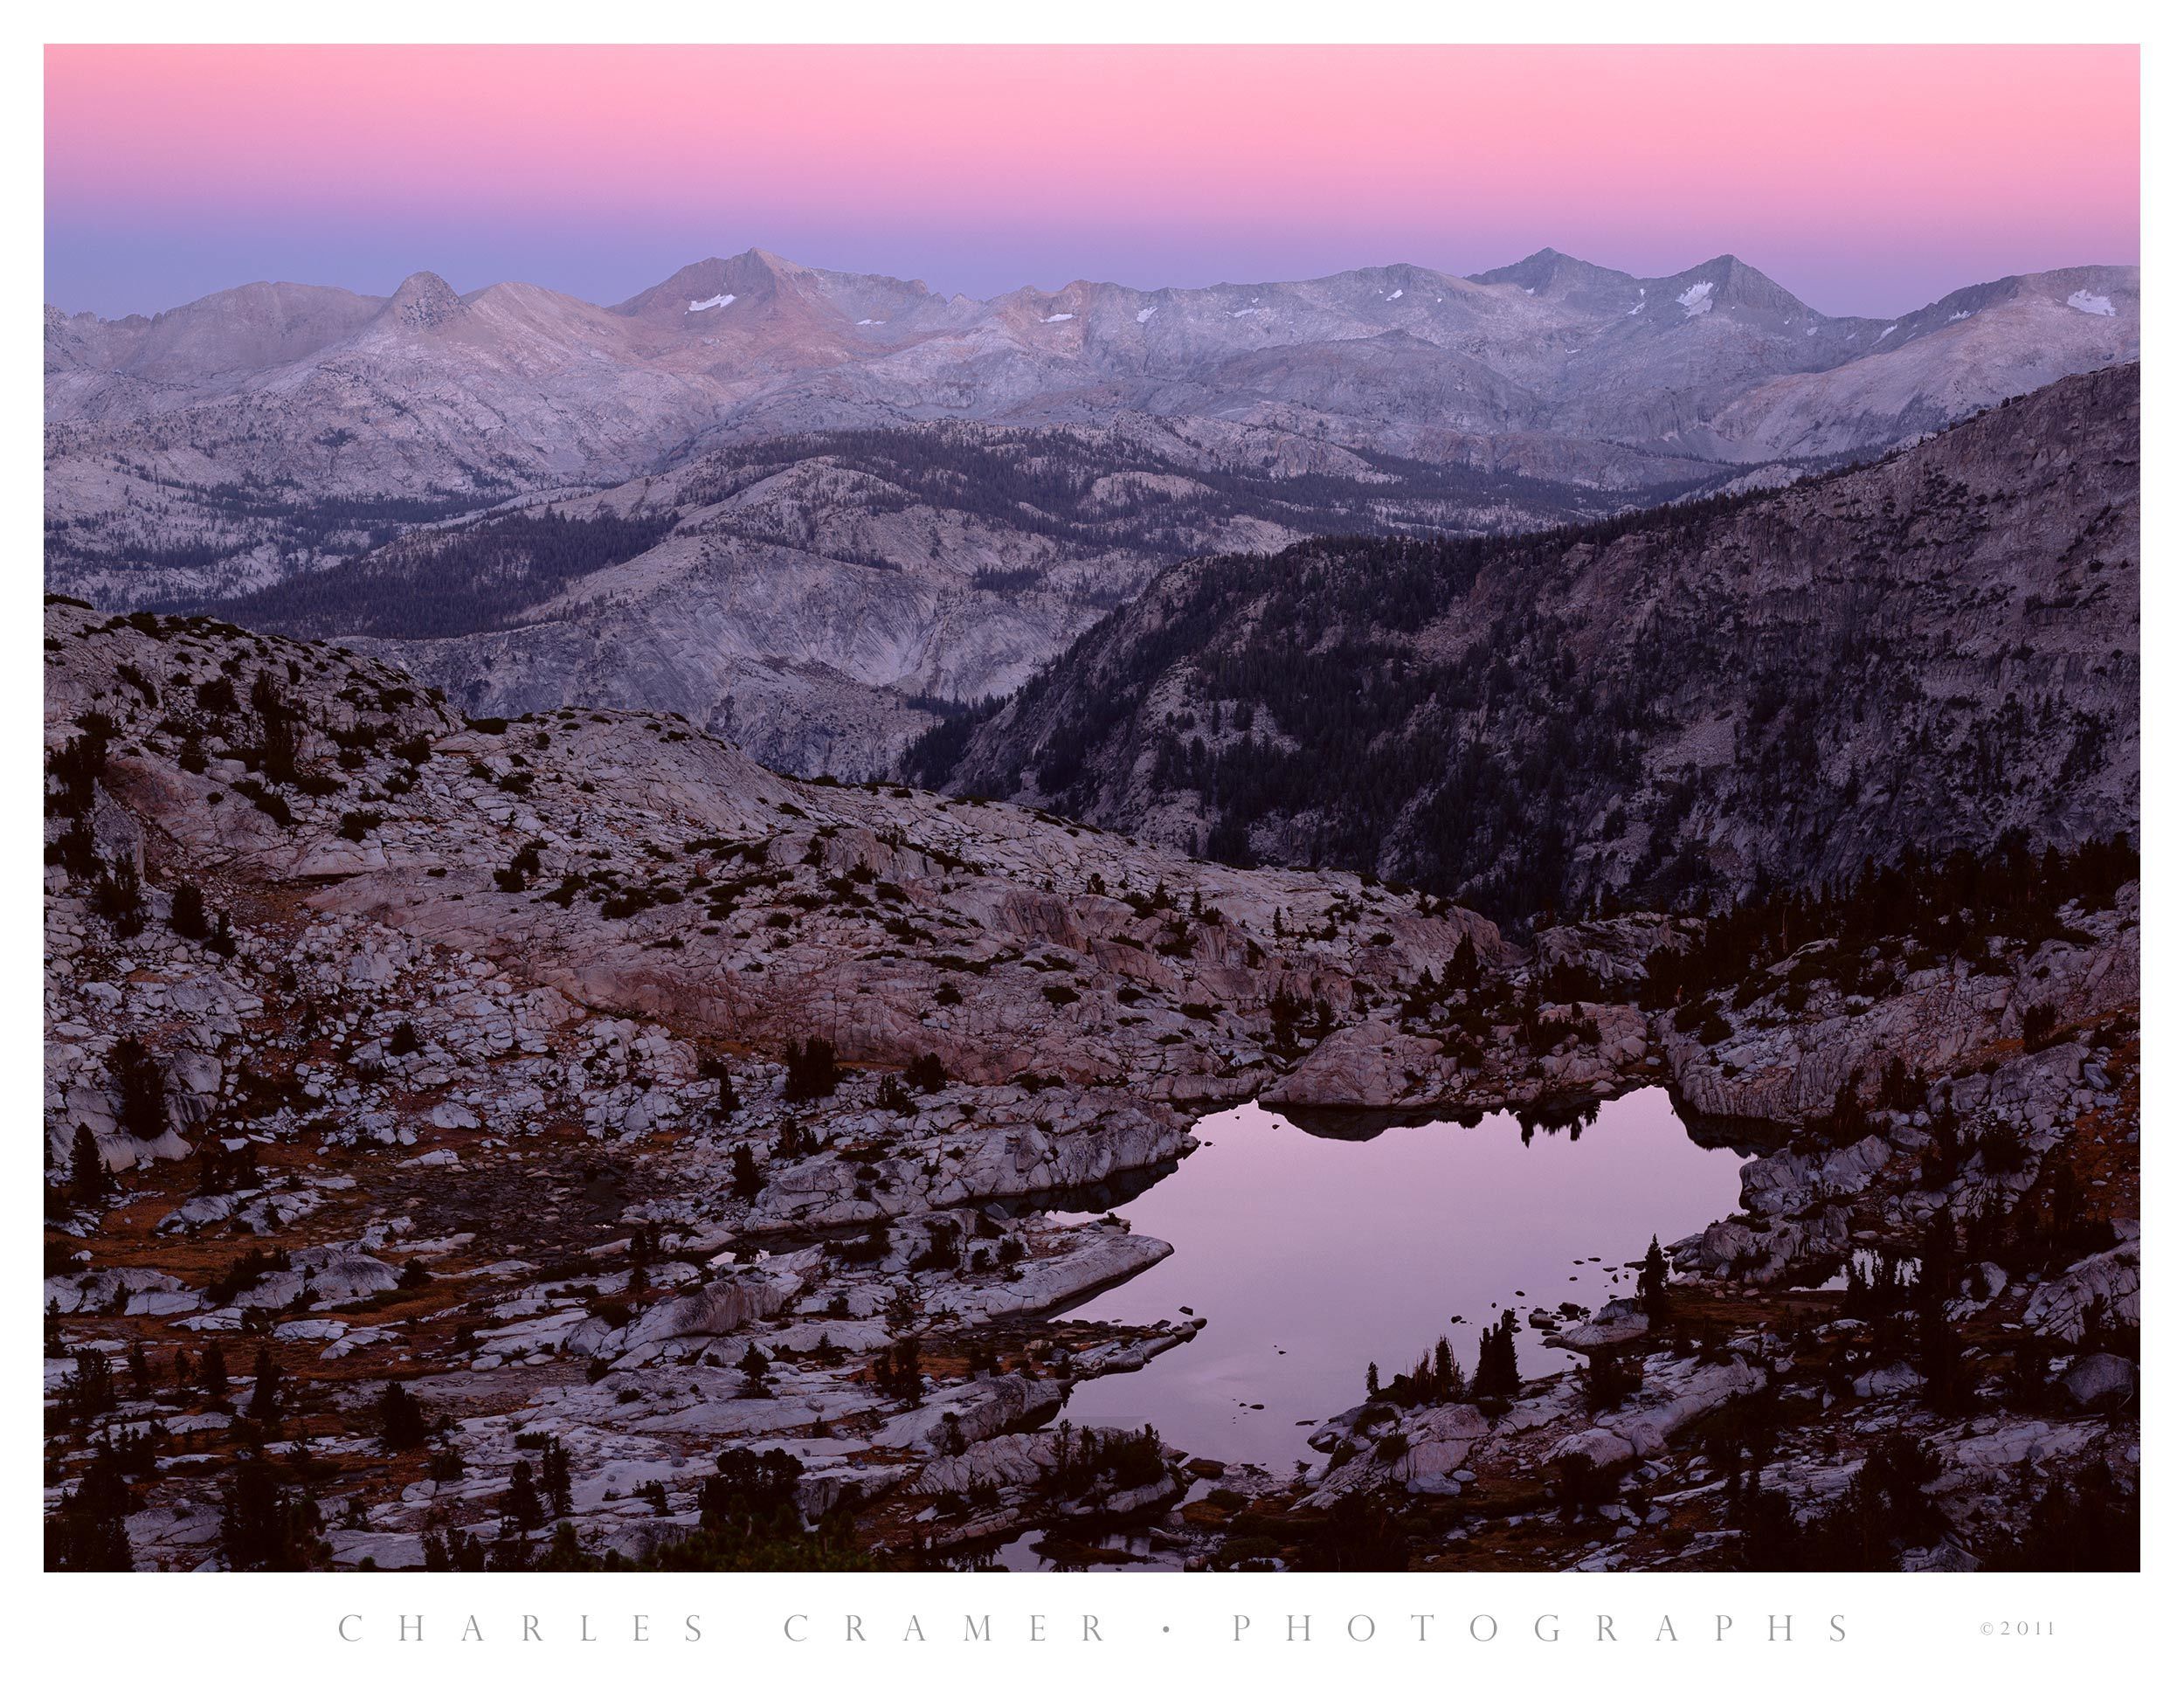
x=1082 y=438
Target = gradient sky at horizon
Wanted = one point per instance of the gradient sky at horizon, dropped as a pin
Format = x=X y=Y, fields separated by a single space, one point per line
x=1868 y=180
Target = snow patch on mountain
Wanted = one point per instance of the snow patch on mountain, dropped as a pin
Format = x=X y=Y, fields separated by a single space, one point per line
x=715 y=302
x=1697 y=299
x=2093 y=304
x=1145 y=315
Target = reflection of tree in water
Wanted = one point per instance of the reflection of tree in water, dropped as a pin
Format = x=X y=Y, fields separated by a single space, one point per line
x=1555 y=1116
x=1366 y=1123
x=1746 y=1136
x=1569 y=1113
x=1059 y=1551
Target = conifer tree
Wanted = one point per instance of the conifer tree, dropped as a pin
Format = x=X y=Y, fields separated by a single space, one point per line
x=142 y=1112
x=1447 y=1376
x=812 y=1073
x=87 y=1176
x=263 y=1528
x=89 y=1393
x=1496 y=1377
x=186 y=913
x=520 y=1504
x=899 y=1372
x=401 y=1421
x=264 y=1394
x=744 y=1180
x=1652 y=1285
x=85 y=1531
x=212 y=1371
x=553 y=1477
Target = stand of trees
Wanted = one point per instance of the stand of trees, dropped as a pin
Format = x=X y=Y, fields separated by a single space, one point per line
x=445 y=585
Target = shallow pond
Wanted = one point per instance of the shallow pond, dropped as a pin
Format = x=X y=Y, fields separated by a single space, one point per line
x=1317 y=1247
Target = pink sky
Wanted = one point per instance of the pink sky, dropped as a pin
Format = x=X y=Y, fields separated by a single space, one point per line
x=1865 y=179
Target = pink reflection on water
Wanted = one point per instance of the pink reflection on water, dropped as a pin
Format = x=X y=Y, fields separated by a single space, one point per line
x=1311 y=1258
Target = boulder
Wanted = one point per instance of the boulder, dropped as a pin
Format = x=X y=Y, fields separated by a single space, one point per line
x=1887 y=1382
x=1620 y=1322
x=1675 y=1393
x=2100 y=1378
x=717 y=1308
x=1600 y=1447
x=2058 y=1309
x=1368 y=1065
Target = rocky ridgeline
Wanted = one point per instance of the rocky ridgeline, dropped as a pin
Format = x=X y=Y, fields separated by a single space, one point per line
x=945 y=560
x=1929 y=651
x=636 y=866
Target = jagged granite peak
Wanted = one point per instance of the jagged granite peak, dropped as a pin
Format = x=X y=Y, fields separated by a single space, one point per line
x=1728 y=285
x=1556 y=275
x=424 y=302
